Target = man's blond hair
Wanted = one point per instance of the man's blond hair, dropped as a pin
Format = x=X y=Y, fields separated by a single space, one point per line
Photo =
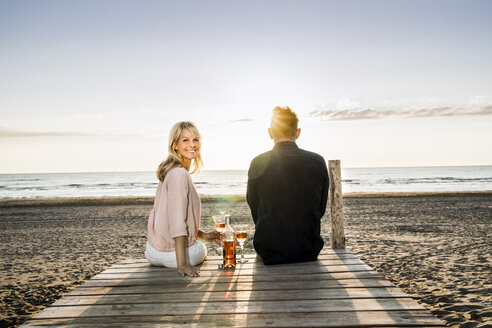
x=284 y=122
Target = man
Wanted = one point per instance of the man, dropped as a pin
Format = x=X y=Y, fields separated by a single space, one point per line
x=287 y=194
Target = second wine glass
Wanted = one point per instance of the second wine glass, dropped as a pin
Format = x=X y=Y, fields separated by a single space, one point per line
x=241 y=236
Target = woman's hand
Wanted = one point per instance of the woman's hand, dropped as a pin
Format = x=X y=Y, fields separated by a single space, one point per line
x=214 y=236
x=186 y=270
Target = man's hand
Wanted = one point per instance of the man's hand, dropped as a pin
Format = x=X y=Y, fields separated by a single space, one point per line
x=187 y=270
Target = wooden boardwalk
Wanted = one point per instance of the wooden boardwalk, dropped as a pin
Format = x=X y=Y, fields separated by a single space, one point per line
x=338 y=290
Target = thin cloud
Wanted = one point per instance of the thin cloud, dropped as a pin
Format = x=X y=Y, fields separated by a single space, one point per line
x=372 y=113
x=241 y=120
x=22 y=133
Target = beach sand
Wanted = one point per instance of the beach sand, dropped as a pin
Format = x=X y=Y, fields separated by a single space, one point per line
x=436 y=247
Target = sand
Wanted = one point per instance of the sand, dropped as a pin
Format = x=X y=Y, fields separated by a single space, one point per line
x=436 y=247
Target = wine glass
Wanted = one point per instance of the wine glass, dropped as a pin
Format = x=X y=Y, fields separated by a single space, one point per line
x=241 y=235
x=219 y=221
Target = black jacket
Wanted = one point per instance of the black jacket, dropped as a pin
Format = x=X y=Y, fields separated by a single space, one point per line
x=287 y=194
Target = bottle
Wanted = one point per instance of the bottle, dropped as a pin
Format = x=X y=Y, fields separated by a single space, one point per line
x=229 y=249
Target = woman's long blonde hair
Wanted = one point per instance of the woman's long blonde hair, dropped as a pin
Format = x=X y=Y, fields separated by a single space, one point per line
x=174 y=158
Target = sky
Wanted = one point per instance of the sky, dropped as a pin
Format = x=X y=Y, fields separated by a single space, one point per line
x=94 y=86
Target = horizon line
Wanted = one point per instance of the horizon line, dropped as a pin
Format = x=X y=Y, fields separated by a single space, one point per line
x=348 y=167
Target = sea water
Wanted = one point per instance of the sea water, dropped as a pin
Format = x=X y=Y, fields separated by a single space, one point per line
x=233 y=182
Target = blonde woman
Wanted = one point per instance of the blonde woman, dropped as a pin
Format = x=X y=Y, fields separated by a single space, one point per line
x=174 y=222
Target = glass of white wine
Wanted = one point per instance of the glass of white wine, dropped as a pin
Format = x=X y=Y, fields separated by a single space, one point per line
x=241 y=236
x=219 y=221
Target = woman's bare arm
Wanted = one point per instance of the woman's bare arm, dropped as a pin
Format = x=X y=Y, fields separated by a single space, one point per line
x=183 y=268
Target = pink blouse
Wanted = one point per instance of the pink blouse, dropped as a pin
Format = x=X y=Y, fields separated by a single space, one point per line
x=176 y=211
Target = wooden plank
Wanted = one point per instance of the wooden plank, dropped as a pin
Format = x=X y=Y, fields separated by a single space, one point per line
x=260 y=285
x=213 y=296
x=277 y=306
x=121 y=290
x=252 y=257
x=280 y=269
x=257 y=268
x=207 y=276
x=207 y=265
x=319 y=319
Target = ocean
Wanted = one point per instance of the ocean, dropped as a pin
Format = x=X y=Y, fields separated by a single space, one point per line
x=233 y=182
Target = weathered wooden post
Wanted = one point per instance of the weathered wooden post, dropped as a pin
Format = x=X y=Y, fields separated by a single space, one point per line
x=336 y=205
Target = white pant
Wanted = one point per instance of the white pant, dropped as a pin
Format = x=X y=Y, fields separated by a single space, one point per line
x=195 y=254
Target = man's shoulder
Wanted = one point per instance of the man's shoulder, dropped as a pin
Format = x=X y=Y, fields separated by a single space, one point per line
x=316 y=159
x=259 y=164
x=312 y=155
x=262 y=157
